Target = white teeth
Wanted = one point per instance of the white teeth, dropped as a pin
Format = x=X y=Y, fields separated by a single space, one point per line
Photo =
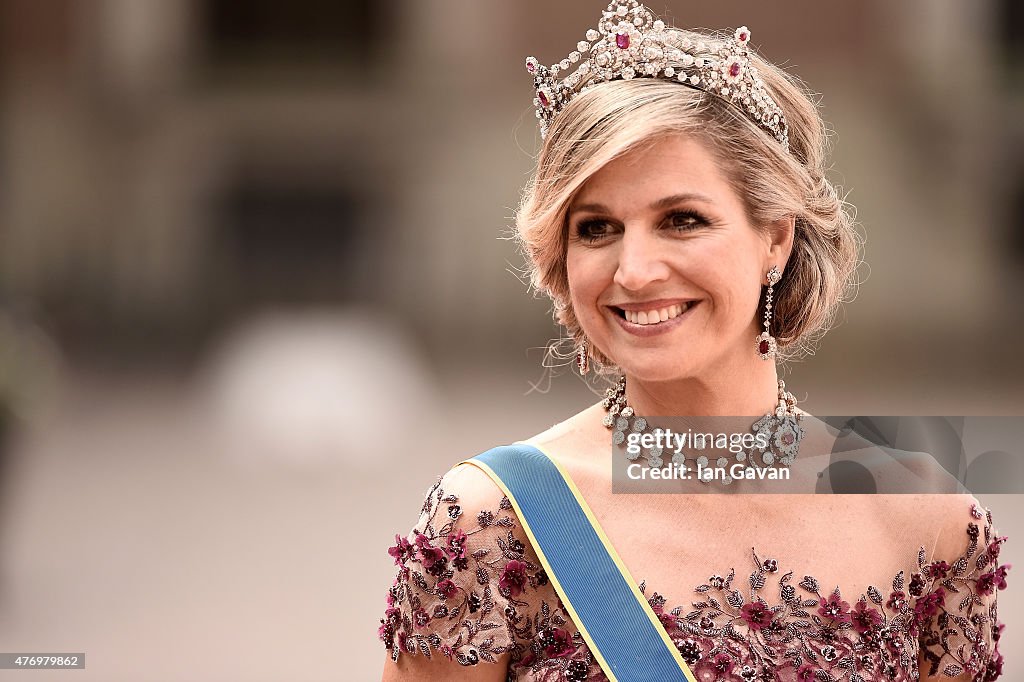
x=656 y=316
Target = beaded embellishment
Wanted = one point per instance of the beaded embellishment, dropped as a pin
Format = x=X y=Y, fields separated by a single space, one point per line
x=780 y=430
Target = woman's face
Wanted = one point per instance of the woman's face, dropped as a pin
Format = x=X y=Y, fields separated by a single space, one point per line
x=665 y=269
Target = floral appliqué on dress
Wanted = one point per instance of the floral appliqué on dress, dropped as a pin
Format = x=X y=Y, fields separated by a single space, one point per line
x=471 y=590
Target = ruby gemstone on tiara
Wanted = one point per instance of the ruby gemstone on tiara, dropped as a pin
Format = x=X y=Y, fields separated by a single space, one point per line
x=622 y=40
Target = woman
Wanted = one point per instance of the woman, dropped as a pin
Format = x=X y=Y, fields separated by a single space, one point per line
x=680 y=176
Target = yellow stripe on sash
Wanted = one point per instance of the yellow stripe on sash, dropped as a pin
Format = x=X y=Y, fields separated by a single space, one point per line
x=614 y=555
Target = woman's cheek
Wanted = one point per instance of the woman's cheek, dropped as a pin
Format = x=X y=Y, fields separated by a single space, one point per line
x=585 y=282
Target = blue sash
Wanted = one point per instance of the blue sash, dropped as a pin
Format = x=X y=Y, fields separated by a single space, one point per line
x=614 y=618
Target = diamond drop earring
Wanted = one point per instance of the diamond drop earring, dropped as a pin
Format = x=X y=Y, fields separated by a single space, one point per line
x=765 y=342
x=583 y=358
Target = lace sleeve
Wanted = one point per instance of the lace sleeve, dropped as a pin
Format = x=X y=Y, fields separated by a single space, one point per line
x=955 y=604
x=464 y=577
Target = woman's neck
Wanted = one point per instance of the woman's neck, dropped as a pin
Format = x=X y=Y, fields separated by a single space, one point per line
x=750 y=390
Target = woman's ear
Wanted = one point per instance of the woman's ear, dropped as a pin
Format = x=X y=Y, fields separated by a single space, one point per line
x=780 y=240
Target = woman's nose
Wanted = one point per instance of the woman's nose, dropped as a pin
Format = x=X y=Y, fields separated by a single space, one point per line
x=641 y=260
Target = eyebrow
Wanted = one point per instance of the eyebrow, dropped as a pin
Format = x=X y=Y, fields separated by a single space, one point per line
x=664 y=202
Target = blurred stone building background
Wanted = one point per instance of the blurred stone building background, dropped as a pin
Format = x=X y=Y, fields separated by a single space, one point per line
x=255 y=291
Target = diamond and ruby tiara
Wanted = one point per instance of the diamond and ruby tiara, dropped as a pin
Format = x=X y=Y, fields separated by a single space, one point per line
x=630 y=42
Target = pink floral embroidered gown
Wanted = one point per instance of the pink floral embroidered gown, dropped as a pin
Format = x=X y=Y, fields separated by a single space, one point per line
x=469 y=587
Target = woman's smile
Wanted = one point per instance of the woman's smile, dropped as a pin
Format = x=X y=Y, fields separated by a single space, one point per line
x=654 y=318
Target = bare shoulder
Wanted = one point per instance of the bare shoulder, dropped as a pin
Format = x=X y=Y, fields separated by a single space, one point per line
x=574 y=436
x=936 y=509
x=943 y=519
x=947 y=508
x=475 y=489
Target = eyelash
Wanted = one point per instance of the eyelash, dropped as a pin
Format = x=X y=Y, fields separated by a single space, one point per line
x=584 y=227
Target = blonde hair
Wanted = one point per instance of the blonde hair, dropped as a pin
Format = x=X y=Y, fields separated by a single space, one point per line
x=616 y=117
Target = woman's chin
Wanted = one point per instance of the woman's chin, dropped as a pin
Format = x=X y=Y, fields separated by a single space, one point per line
x=657 y=368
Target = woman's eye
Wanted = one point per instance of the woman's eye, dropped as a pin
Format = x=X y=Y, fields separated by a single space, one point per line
x=685 y=221
x=591 y=230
